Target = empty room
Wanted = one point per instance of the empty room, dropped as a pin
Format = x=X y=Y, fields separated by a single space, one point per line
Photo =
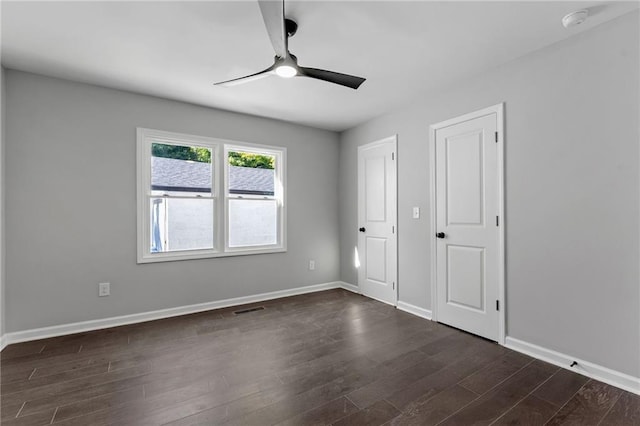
x=268 y=212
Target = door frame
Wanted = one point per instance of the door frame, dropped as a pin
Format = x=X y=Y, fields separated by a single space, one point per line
x=499 y=111
x=394 y=140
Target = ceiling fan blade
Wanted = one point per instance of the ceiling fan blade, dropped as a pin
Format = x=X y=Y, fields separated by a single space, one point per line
x=332 y=77
x=246 y=79
x=273 y=16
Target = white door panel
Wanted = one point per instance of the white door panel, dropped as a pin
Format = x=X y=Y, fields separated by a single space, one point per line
x=377 y=243
x=464 y=169
x=465 y=277
x=374 y=183
x=467 y=207
x=376 y=251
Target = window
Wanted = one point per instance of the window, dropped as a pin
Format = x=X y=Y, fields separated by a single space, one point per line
x=200 y=197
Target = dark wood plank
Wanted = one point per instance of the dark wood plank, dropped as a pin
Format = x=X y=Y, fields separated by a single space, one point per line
x=58 y=394
x=367 y=395
x=411 y=343
x=494 y=403
x=295 y=405
x=561 y=387
x=432 y=410
x=494 y=373
x=10 y=409
x=90 y=370
x=98 y=403
x=203 y=411
x=404 y=361
x=531 y=411
x=588 y=406
x=16 y=374
x=626 y=412
x=37 y=419
x=449 y=343
x=318 y=377
x=255 y=402
x=326 y=414
x=137 y=411
x=377 y=413
x=20 y=350
x=435 y=383
x=471 y=345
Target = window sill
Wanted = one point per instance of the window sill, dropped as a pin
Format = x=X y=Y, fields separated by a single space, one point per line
x=172 y=257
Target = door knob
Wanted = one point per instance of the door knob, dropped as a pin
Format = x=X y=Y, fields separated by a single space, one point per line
x=440 y=235
x=362 y=229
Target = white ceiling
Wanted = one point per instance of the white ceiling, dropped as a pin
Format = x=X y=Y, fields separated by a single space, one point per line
x=177 y=50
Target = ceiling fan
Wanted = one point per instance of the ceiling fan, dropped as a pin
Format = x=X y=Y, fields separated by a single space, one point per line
x=286 y=64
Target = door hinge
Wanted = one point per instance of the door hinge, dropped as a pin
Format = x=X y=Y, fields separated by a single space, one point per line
x=497 y=305
x=393 y=229
x=497 y=221
x=393 y=155
x=394 y=285
x=496 y=137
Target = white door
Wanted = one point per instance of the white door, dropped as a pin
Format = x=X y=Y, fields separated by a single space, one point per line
x=467 y=233
x=377 y=242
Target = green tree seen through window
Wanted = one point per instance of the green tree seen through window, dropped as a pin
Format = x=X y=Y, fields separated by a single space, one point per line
x=180 y=152
x=247 y=159
x=203 y=155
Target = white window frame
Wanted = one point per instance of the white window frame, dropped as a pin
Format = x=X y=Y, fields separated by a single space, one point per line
x=278 y=189
x=219 y=149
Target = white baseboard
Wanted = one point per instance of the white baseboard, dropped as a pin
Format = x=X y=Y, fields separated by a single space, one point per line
x=415 y=310
x=350 y=287
x=595 y=371
x=78 y=327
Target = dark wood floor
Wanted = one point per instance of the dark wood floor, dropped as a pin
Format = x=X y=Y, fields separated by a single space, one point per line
x=323 y=358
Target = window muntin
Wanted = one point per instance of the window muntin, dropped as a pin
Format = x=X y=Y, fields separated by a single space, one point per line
x=180 y=212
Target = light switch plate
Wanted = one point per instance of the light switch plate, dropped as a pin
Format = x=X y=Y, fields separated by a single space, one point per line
x=416 y=212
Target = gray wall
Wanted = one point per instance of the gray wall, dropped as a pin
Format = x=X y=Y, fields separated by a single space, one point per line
x=71 y=205
x=2 y=184
x=572 y=192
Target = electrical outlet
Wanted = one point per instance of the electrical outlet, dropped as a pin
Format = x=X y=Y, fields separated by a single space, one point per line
x=312 y=265
x=104 y=289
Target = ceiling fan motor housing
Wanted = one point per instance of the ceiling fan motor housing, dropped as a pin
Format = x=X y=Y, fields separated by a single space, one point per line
x=290 y=26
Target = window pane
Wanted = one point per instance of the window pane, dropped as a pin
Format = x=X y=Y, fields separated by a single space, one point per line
x=251 y=173
x=181 y=224
x=252 y=222
x=180 y=169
